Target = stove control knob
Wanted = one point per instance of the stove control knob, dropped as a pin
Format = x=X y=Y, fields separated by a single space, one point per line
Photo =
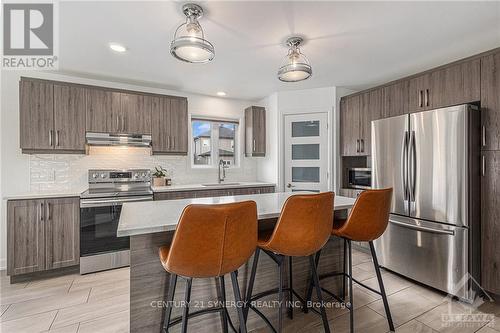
x=103 y=175
x=95 y=175
x=143 y=175
x=136 y=175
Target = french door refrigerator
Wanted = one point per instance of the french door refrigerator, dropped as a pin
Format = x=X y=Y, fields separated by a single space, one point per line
x=431 y=160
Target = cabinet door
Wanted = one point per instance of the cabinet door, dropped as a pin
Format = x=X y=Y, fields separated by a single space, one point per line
x=25 y=236
x=395 y=99
x=103 y=111
x=135 y=114
x=160 y=127
x=490 y=101
x=418 y=93
x=349 y=125
x=179 y=125
x=69 y=118
x=62 y=232
x=490 y=222
x=370 y=109
x=454 y=85
x=36 y=107
x=259 y=130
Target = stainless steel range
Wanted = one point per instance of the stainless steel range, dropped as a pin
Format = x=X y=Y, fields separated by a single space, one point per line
x=100 y=208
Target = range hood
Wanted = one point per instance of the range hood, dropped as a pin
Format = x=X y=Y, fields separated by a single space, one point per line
x=106 y=139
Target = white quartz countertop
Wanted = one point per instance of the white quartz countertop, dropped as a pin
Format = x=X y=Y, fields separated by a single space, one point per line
x=213 y=186
x=43 y=195
x=147 y=217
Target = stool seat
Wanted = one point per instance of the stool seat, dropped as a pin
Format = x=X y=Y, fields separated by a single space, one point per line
x=163 y=253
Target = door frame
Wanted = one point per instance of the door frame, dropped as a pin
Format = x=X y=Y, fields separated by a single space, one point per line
x=330 y=146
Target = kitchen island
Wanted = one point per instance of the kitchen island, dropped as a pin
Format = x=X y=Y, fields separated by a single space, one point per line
x=152 y=224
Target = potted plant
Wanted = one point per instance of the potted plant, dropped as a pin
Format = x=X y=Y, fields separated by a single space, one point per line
x=159 y=176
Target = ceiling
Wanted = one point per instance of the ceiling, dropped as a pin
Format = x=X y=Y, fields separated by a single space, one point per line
x=349 y=44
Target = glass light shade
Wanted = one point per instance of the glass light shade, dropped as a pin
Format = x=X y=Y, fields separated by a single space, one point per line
x=189 y=44
x=295 y=67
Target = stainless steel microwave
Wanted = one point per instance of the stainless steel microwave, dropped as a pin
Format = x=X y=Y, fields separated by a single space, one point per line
x=359 y=178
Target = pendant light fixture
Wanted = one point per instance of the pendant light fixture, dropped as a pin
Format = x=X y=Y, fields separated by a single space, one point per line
x=295 y=67
x=189 y=43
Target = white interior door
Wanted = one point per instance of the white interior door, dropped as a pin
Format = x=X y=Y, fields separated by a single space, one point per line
x=306 y=152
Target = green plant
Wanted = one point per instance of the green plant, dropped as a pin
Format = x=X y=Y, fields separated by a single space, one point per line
x=160 y=172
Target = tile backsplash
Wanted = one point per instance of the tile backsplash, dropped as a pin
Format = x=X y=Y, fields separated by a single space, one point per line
x=64 y=173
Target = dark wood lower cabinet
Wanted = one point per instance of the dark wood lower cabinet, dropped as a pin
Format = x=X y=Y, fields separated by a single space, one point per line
x=490 y=222
x=212 y=193
x=42 y=234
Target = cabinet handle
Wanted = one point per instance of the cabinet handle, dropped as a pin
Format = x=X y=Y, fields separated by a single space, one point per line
x=420 y=98
x=483 y=136
x=168 y=142
x=57 y=138
x=118 y=123
x=50 y=138
x=362 y=145
x=357 y=146
x=48 y=212
x=426 y=97
x=41 y=211
x=253 y=145
x=483 y=166
x=173 y=142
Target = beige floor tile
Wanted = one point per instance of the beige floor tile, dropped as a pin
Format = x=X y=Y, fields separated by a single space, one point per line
x=114 y=323
x=361 y=274
x=438 y=318
x=365 y=320
x=404 y=305
x=95 y=279
x=359 y=257
x=487 y=329
x=55 y=281
x=91 y=310
x=25 y=294
x=66 y=329
x=3 y=308
x=392 y=283
x=107 y=290
x=6 y=286
x=31 y=324
x=415 y=326
x=45 y=304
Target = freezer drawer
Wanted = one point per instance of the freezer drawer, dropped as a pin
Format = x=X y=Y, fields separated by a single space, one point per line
x=431 y=253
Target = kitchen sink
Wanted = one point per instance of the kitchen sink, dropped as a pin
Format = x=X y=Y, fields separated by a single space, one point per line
x=220 y=184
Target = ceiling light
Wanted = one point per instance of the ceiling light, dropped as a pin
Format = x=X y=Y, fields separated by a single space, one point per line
x=221 y=93
x=117 y=47
x=189 y=42
x=295 y=67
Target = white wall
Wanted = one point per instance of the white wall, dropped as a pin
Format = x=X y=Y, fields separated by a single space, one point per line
x=279 y=104
x=22 y=173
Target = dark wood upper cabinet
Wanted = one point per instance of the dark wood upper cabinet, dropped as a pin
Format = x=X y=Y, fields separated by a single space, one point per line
x=25 y=236
x=36 y=108
x=418 y=93
x=490 y=101
x=135 y=114
x=490 y=222
x=62 y=232
x=42 y=234
x=103 y=111
x=170 y=125
x=255 y=131
x=69 y=118
x=349 y=125
x=395 y=99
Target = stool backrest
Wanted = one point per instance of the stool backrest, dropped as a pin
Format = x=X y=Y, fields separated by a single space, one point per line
x=212 y=240
x=369 y=215
x=304 y=225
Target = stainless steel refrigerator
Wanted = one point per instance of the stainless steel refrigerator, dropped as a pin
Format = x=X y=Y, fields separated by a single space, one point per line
x=432 y=161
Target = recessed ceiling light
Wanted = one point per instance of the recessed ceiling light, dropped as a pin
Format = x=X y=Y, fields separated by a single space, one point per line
x=221 y=93
x=117 y=47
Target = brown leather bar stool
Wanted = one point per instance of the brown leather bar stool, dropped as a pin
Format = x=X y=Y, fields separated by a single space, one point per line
x=303 y=228
x=210 y=241
x=367 y=221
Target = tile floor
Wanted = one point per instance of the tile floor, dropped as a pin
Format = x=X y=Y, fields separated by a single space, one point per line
x=100 y=303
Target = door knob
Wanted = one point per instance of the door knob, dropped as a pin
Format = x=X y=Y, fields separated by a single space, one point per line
x=290 y=185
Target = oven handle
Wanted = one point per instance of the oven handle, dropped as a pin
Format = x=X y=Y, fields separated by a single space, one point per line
x=88 y=203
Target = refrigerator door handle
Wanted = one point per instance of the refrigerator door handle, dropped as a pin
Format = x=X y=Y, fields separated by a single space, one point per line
x=404 y=166
x=421 y=228
x=412 y=160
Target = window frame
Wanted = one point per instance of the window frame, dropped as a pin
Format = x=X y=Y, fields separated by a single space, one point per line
x=214 y=139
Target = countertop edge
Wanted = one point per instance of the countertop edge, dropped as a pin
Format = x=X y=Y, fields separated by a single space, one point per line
x=200 y=187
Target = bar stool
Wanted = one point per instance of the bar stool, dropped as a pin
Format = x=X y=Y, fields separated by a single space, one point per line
x=210 y=241
x=366 y=222
x=303 y=228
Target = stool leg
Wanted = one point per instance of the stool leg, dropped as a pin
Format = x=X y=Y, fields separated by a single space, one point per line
x=248 y=295
x=237 y=298
x=170 y=299
x=381 y=286
x=280 y=295
x=225 y=328
x=290 y=286
x=187 y=299
x=318 y=293
x=345 y=269
x=351 y=291
x=311 y=283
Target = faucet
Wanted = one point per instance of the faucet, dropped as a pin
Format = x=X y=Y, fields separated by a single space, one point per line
x=222 y=167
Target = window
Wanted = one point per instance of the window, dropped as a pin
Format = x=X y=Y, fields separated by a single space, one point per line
x=213 y=140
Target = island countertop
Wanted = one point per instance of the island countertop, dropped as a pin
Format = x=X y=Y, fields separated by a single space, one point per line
x=138 y=218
